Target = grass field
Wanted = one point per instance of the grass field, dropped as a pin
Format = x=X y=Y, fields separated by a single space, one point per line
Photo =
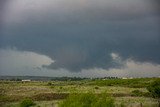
x=51 y=93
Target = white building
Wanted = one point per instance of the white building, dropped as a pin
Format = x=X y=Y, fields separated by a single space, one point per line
x=26 y=80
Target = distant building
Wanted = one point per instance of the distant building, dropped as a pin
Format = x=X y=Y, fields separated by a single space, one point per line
x=130 y=77
x=124 y=78
x=26 y=80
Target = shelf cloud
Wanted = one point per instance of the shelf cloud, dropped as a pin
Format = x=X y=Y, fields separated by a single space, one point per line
x=13 y=60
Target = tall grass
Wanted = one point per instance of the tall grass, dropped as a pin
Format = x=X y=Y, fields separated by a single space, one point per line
x=88 y=100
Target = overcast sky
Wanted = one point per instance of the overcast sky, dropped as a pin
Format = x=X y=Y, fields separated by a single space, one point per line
x=86 y=38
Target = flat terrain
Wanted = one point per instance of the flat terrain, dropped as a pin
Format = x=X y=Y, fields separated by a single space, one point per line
x=50 y=93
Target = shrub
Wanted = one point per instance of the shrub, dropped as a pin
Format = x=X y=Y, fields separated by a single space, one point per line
x=96 y=87
x=27 y=103
x=49 y=83
x=137 y=93
x=87 y=100
x=60 y=87
x=154 y=89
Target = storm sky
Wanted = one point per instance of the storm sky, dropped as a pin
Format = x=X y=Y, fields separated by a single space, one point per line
x=86 y=38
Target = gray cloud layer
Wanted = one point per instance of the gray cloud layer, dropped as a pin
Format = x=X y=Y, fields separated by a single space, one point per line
x=82 y=34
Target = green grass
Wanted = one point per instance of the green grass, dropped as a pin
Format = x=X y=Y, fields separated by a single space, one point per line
x=45 y=92
x=38 y=104
x=126 y=101
x=134 y=83
x=136 y=102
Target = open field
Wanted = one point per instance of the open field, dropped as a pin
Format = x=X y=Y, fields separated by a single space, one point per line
x=51 y=93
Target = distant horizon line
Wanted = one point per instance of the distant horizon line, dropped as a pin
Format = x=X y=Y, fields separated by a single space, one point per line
x=72 y=76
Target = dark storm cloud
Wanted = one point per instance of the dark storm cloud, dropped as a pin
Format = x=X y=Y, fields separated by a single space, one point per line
x=82 y=35
x=2 y=6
